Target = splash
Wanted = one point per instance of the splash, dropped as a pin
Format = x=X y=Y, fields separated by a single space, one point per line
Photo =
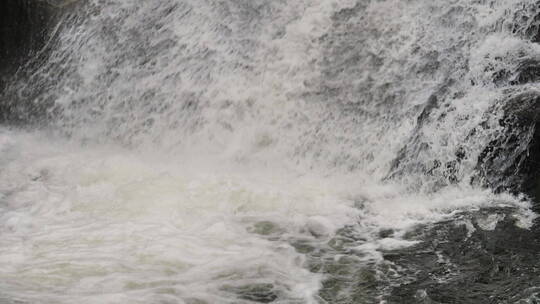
x=191 y=151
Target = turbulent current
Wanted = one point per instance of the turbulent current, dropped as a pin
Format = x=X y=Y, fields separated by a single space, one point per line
x=257 y=151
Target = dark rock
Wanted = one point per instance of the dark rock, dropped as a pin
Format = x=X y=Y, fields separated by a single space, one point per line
x=23 y=30
x=27 y=27
x=511 y=161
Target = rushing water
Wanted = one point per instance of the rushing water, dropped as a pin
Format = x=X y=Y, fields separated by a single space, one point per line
x=240 y=151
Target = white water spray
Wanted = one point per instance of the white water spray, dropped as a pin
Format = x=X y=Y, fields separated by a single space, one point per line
x=191 y=143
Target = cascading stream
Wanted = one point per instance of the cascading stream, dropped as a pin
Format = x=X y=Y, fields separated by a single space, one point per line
x=183 y=151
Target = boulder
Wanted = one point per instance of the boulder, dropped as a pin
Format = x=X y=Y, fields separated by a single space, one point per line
x=511 y=162
x=23 y=30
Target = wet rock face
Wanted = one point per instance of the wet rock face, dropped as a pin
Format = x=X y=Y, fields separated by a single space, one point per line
x=23 y=30
x=511 y=162
x=28 y=32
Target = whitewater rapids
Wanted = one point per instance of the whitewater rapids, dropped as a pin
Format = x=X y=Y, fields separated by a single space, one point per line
x=209 y=151
x=108 y=225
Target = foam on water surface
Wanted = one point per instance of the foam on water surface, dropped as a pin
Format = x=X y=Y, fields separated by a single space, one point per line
x=101 y=223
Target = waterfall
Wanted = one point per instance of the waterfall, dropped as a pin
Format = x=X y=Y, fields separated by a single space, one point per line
x=220 y=151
